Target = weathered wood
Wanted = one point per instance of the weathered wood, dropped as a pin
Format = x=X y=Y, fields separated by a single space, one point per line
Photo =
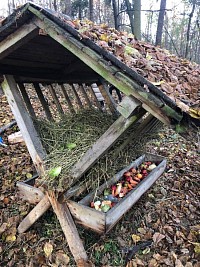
x=29 y=193
x=142 y=129
x=15 y=138
x=56 y=100
x=42 y=101
x=69 y=229
x=85 y=95
x=77 y=96
x=34 y=214
x=109 y=73
x=104 y=143
x=27 y=100
x=108 y=98
x=7 y=126
x=20 y=37
x=67 y=99
x=87 y=199
x=128 y=201
x=127 y=106
x=24 y=122
x=87 y=217
x=95 y=98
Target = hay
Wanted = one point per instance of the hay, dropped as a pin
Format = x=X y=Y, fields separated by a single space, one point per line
x=67 y=141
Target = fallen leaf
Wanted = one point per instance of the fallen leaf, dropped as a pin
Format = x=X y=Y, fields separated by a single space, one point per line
x=11 y=238
x=55 y=172
x=3 y=228
x=157 y=237
x=135 y=238
x=48 y=248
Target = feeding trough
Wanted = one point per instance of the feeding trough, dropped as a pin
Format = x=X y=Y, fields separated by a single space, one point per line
x=49 y=70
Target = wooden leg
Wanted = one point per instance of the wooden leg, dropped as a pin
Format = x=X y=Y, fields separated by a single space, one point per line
x=34 y=215
x=70 y=231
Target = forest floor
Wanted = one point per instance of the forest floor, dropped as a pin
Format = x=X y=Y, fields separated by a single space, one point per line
x=168 y=214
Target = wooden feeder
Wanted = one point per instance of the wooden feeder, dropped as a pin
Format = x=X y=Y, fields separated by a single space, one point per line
x=40 y=50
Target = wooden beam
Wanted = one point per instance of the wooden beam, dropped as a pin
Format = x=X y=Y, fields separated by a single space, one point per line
x=104 y=143
x=42 y=101
x=71 y=108
x=127 y=106
x=95 y=98
x=27 y=100
x=24 y=122
x=69 y=229
x=18 y=38
x=85 y=95
x=34 y=214
x=99 y=65
x=77 y=96
x=56 y=100
x=108 y=98
x=29 y=193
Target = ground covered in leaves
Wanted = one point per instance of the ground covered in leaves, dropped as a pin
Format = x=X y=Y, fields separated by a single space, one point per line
x=167 y=216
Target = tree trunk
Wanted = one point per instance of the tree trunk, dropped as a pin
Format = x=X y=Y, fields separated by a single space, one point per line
x=55 y=5
x=68 y=9
x=137 y=19
x=130 y=14
x=188 y=28
x=91 y=9
x=160 y=22
x=116 y=15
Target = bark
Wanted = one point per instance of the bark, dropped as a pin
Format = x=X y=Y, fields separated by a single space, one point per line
x=91 y=9
x=116 y=15
x=68 y=9
x=160 y=22
x=130 y=14
x=137 y=19
x=188 y=28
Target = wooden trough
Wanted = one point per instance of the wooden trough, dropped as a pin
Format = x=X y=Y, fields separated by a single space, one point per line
x=101 y=222
x=44 y=61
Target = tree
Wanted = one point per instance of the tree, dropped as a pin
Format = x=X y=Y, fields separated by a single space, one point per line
x=129 y=10
x=137 y=19
x=160 y=22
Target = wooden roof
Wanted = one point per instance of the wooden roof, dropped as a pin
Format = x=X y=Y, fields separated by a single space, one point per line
x=37 y=45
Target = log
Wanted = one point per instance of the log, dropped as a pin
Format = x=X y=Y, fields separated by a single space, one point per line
x=29 y=193
x=15 y=138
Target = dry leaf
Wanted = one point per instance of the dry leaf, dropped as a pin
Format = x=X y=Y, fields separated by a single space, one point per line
x=62 y=258
x=157 y=237
x=48 y=248
x=11 y=238
x=135 y=238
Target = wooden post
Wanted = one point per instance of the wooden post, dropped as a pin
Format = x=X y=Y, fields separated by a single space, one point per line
x=24 y=122
x=42 y=101
x=69 y=229
x=95 y=98
x=55 y=98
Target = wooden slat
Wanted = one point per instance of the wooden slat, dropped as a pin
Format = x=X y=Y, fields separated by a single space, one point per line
x=108 y=98
x=21 y=36
x=85 y=95
x=87 y=217
x=110 y=73
x=42 y=101
x=69 y=229
x=24 y=122
x=103 y=144
x=56 y=100
x=95 y=98
x=29 y=193
x=27 y=100
x=67 y=99
x=34 y=214
x=77 y=96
